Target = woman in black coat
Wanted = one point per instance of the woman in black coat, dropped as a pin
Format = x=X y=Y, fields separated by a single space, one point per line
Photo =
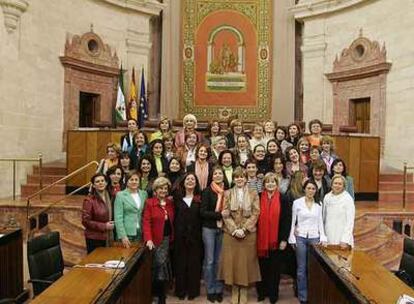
x=273 y=229
x=187 y=243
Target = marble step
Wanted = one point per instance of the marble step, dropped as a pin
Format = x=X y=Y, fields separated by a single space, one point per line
x=394 y=177
x=365 y=227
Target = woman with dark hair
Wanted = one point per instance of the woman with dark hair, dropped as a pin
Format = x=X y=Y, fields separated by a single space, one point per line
x=280 y=136
x=174 y=172
x=314 y=155
x=139 y=149
x=306 y=229
x=127 y=140
x=158 y=232
x=294 y=164
x=201 y=167
x=315 y=129
x=228 y=162
x=158 y=159
x=272 y=149
x=272 y=234
x=212 y=200
x=339 y=167
x=187 y=152
x=318 y=176
x=293 y=134
x=259 y=154
x=129 y=204
x=115 y=178
x=125 y=163
x=213 y=130
x=239 y=265
x=147 y=172
x=187 y=242
x=254 y=182
x=97 y=214
x=278 y=165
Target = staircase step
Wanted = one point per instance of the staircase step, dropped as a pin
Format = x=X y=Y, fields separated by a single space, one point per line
x=29 y=189
x=46 y=170
x=394 y=177
x=380 y=238
x=395 y=196
x=366 y=227
x=395 y=186
x=46 y=179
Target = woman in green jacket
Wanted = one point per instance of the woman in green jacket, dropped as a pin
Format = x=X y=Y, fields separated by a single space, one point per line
x=128 y=207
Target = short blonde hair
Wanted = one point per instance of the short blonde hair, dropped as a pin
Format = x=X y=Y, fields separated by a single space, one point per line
x=270 y=176
x=336 y=176
x=239 y=172
x=190 y=117
x=161 y=182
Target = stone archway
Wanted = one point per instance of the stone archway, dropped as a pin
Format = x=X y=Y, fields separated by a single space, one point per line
x=91 y=69
x=360 y=74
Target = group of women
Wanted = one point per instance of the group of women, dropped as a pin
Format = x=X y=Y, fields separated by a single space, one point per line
x=234 y=209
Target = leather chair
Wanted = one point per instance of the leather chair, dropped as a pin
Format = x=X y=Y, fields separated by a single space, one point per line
x=45 y=260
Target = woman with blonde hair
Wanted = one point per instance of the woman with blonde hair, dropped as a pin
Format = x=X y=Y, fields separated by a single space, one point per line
x=111 y=159
x=239 y=265
x=272 y=234
x=236 y=129
x=164 y=127
x=158 y=232
x=189 y=126
x=339 y=214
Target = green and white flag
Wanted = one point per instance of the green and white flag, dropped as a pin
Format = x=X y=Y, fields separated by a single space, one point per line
x=120 y=108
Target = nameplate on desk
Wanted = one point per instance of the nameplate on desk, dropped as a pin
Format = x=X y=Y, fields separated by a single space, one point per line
x=113 y=264
x=404 y=299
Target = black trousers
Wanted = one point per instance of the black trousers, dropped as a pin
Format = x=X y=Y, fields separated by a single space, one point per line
x=270 y=272
x=92 y=244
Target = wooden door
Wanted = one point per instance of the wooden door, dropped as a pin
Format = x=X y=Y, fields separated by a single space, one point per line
x=360 y=114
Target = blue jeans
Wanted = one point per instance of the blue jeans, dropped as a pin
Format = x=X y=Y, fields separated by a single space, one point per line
x=302 y=264
x=212 y=239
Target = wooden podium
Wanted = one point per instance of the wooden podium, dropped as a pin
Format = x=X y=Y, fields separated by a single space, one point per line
x=11 y=265
x=350 y=276
x=81 y=284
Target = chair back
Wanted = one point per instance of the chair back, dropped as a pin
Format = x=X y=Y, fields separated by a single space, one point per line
x=45 y=260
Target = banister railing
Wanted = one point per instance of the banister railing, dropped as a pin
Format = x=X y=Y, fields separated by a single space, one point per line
x=406 y=168
x=31 y=218
x=38 y=159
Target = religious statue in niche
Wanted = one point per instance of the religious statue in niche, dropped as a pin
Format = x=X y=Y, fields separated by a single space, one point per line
x=226 y=61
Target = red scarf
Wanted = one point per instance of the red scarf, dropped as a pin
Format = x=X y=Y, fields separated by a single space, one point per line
x=268 y=226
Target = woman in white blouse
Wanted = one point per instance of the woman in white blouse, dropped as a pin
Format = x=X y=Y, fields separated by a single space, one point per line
x=306 y=229
x=339 y=214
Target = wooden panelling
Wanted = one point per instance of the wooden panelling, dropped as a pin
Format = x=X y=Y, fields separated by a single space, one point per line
x=360 y=153
x=131 y=284
x=351 y=276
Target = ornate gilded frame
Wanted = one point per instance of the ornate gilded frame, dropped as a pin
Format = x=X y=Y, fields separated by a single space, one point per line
x=260 y=14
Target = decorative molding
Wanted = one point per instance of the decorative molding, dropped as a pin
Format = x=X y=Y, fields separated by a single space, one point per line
x=12 y=10
x=88 y=50
x=148 y=7
x=306 y=9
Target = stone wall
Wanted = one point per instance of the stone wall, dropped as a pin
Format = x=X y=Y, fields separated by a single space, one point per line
x=330 y=27
x=32 y=77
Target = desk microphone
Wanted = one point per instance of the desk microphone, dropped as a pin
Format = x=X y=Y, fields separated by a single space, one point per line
x=350 y=272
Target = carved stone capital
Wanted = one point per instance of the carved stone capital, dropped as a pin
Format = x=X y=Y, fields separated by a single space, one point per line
x=148 y=7
x=315 y=8
x=12 y=10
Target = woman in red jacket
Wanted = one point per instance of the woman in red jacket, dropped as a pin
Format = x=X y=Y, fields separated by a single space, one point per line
x=158 y=233
x=97 y=214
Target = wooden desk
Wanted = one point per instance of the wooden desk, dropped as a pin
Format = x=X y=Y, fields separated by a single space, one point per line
x=11 y=265
x=340 y=276
x=94 y=285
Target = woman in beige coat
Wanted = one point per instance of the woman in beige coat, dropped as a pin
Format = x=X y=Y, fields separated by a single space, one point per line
x=239 y=265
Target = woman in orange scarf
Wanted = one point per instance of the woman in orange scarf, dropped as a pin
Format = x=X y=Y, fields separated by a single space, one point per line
x=272 y=233
x=210 y=210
